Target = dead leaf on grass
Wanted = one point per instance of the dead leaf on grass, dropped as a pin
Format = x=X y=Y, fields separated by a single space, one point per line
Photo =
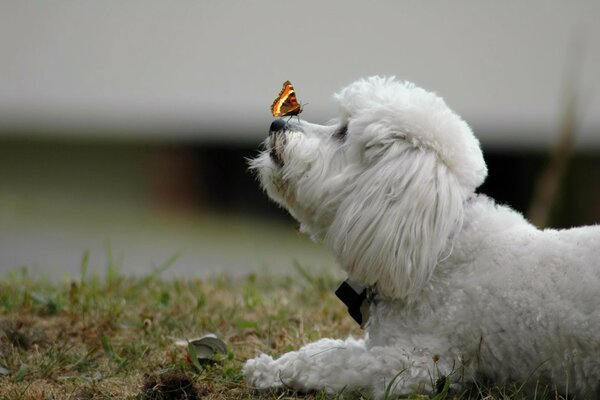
x=206 y=346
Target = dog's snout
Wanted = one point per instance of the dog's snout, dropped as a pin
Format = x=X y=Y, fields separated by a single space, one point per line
x=277 y=126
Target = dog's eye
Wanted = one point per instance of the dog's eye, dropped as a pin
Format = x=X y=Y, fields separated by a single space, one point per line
x=341 y=133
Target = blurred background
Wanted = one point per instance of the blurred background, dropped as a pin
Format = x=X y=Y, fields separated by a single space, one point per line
x=125 y=126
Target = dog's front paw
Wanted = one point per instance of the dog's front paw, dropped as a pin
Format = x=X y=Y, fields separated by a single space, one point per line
x=262 y=373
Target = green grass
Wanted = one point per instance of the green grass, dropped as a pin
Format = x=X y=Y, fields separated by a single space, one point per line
x=96 y=338
x=113 y=337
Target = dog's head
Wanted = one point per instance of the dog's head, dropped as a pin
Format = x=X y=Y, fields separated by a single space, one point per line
x=384 y=185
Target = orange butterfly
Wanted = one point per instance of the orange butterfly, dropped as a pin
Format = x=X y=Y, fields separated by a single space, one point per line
x=286 y=103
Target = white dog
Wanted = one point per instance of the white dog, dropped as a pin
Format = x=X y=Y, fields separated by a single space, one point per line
x=459 y=286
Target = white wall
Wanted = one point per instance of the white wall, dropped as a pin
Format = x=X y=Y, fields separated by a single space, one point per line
x=212 y=68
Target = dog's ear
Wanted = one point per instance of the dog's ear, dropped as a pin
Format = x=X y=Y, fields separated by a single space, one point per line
x=397 y=221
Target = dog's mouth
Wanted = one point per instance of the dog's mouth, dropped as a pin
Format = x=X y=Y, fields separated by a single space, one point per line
x=276 y=144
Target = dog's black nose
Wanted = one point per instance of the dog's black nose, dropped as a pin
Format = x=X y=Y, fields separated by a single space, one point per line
x=277 y=126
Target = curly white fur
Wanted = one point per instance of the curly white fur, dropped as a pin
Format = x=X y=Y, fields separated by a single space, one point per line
x=468 y=288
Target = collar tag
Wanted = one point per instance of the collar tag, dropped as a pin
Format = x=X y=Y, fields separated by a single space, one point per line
x=357 y=298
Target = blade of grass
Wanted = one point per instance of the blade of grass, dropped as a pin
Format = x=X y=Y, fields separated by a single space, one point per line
x=85 y=260
x=193 y=355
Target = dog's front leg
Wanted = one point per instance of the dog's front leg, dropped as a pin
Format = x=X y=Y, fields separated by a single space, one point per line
x=303 y=369
x=337 y=365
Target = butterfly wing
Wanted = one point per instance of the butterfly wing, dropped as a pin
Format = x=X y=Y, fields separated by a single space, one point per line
x=286 y=103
